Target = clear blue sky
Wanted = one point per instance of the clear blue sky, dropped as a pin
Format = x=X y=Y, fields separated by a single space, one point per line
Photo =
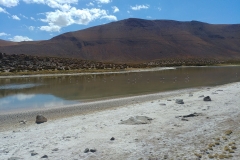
x=43 y=19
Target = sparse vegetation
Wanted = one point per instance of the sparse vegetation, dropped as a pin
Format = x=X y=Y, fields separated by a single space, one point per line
x=198 y=155
x=25 y=64
x=228 y=132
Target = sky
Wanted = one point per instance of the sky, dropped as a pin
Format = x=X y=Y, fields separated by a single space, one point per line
x=27 y=20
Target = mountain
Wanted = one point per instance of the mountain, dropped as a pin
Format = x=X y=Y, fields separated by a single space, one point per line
x=138 y=40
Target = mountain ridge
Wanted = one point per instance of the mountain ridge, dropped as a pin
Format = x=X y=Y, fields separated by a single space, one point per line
x=137 y=40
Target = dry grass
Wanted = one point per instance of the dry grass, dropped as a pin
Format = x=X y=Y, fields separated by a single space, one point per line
x=228 y=132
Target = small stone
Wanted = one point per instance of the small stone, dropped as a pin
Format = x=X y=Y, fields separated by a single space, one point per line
x=112 y=139
x=40 y=119
x=224 y=138
x=217 y=139
x=207 y=98
x=201 y=96
x=226 y=148
x=165 y=157
x=55 y=149
x=198 y=155
x=222 y=156
x=45 y=156
x=231 y=151
x=228 y=132
x=23 y=122
x=33 y=154
x=86 y=150
x=93 y=150
x=210 y=156
x=179 y=101
x=184 y=119
x=234 y=147
x=14 y=158
x=229 y=156
x=217 y=143
x=137 y=120
x=211 y=145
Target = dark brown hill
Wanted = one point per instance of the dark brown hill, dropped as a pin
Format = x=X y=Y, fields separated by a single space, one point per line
x=138 y=40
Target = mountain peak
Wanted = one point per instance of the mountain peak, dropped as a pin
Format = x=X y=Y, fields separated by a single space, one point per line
x=136 y=40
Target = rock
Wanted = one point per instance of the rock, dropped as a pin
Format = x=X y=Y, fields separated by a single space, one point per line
x=228 y=132
x=93 y=150
x=184 y=119
x=86 y=150
x=201 y=96
x=55 y=149
x=33 y=154
x=40 y=119
x=23 y=122
x=1 y=55
x=165 y=157
x=191 y=115
x=112 y=139
x=45 y=156
x=207 y=98
x=14 y=158
x=179 y=101
x=137 y=120
x=162 y=104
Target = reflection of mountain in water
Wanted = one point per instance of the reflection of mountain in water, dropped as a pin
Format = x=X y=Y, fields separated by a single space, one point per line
x=113 y=85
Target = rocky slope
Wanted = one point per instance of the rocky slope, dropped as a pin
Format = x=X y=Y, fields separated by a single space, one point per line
x=138 y=40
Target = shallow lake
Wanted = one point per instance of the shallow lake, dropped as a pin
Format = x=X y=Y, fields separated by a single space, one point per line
x=44 y=92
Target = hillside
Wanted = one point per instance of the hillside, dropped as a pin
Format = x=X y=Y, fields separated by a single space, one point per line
x=138 y=40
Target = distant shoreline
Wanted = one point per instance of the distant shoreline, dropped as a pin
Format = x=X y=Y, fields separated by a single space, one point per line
x=88 y=73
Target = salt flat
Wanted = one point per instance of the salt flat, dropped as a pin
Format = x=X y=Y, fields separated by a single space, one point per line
x=169 y=135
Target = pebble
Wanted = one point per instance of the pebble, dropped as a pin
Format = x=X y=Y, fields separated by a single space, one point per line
x=55 y=149
x=112 y=139
x=93 y=150
x=14 y=158
x=45 y=156
x=207 y=98
x=33 y=154
x=179 y=101
x=86 y=150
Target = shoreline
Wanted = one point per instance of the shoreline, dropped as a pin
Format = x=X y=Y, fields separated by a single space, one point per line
x=132 y=70
x=11 y=119
x=135 y=70
x=173 y=131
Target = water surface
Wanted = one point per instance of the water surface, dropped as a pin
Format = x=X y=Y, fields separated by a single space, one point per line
x=62 y=90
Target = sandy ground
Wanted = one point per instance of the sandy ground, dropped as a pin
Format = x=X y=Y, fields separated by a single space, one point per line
x=167 y=136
